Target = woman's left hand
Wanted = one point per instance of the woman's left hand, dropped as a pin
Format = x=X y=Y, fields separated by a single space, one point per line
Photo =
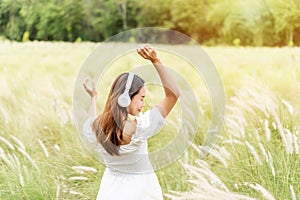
x=90 y=90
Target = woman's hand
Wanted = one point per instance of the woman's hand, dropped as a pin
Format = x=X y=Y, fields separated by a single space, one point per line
x=147 y=52
x=90 y=90
x=170 y=88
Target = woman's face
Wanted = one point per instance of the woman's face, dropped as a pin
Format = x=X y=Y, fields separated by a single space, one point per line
x=137 y=102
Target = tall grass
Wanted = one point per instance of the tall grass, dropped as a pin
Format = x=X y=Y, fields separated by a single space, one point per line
x=257 y=155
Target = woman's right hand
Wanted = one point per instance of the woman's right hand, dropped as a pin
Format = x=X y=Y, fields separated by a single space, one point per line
x=90 y=90
x=147 y=52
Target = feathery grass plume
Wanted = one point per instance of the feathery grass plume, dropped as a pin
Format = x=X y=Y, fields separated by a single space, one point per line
x=288 y=106
x=28 y=157
x=204 y=168
x=292 y=192
x=266 y=194
x=5 y=159
x=274 y=125
x=22 y=183
x=5 y=141
x=44 y=148
x=57 y=195
x=223 y=151
x=235 y=126
x=61 y=186
x=253 y=98
x=75 y=193
x=270 y=162
x=202 y=172
x=281 y=132
x=253 y=152
x=293 y=141
x=78 y=178
x=263 y=150
x=26 y=172
x=82 y=169
x=1 y=151
x=232 y=141
x=56 y=146
x=296 y=145
x=289 y=141
x=204 y=188
x=16 y=161
x=17 y=141
x=236 y=101
x=212 y=151
x=256 y=134
x=267 y=130
x=4 y=114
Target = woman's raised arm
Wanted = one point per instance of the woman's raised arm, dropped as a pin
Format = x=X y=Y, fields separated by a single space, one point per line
x=93 y=93
x=170 y=88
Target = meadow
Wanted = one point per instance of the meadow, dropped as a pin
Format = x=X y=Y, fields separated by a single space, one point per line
x=256 y=157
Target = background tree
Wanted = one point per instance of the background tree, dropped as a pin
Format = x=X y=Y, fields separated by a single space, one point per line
x=245 y=20
x=189 y=17
x=11 y=22
x=154 y=13
x=286 y=16
x=210 y=22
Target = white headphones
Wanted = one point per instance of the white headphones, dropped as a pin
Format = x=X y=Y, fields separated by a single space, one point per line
x=124 y=99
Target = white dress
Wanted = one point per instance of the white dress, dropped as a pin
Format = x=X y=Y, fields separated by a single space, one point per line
x=130 y=175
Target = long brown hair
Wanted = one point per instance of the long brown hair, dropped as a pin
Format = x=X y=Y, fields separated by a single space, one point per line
x=108 y=127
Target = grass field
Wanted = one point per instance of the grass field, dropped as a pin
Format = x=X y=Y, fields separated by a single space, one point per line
x=257 y=155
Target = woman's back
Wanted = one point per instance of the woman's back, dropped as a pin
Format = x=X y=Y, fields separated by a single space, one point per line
x=133 y=157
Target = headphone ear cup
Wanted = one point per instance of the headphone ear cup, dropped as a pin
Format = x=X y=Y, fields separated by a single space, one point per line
x=124 y=100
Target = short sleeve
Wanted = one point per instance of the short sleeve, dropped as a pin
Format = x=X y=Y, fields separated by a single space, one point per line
x=148 y=124
x=87 y=130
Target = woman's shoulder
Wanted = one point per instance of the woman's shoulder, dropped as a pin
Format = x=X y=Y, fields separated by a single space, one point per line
x=149 y=123
x=150 y=117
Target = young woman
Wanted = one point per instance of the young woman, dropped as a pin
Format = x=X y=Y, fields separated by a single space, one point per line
x=122 y=139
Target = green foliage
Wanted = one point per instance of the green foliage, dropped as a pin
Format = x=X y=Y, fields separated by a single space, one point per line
x=237 y=20
x=286 y=15
x=210 y=22
x=60 y=20
x=189 y=17
x=11 y=22
x=108 y=19
x=154 y=13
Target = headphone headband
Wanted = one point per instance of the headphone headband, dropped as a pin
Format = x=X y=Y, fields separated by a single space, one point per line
x=124 y=99
x=129 y=81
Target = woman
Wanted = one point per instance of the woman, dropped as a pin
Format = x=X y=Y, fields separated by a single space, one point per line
x=123 y=139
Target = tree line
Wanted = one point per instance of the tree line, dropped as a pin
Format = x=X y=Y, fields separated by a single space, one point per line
x=210 y=22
